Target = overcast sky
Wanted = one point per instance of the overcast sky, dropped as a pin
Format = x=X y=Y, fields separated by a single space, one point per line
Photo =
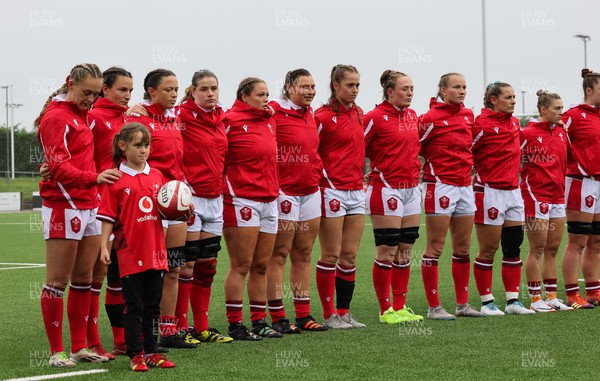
x=530 y=44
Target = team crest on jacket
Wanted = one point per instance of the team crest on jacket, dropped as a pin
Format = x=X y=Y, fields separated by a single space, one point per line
x=75 y=122
x=246 y=213
x=589 y=201
x=270 y=127
x=446 y=122
x=584 y=115
x=467 y=119
x=539 y=138
x=195 y=114
x=334 y=205
x=245 y=128
x=75 y=224
x=385 y=117
x=561 y=137
x=444 y=202
x=334 y=118
x=496 y=129
x=392 y=203
x=108 y=124
x=286 y=207
x=492 y=213
x=544 y=208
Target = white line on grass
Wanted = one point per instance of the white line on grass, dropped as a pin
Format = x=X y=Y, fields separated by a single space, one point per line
x=15 y=223
x=59 y=375
x=22 y=267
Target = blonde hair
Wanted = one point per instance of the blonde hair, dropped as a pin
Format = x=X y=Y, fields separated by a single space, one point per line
x=78 y=73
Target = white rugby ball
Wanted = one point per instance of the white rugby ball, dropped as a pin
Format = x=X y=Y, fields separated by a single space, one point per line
x=174 y=199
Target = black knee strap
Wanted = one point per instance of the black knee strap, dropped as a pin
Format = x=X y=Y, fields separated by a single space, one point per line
x=409 y=235
x=209 y=247
x=511 y=240
x=576 y=227
x=192 y=250
x=387 y=237
x=176 y=257
x=596 y=228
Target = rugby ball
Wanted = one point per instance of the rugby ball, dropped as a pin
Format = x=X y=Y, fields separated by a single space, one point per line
x=173 y=200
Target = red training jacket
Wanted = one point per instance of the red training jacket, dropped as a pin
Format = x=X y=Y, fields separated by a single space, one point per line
x=392 y=144
x=68 y=146
x=204 y=148
x=545 y=149
x=298 y=157
x=166 y=147
x=582 y=123
x=251 y=162
x=496 y=149
x=341 y=146
x=105 y=119
x=446 y=137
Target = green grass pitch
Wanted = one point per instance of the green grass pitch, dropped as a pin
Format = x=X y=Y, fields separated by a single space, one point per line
x=543 y=346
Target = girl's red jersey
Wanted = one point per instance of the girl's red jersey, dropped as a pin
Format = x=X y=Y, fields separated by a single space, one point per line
x=204 y=148
x=341 y=146
x=105 y=119
x=298 y=157
x=166 y=148
x=68 y=146
x=496 y=149
x=545 y=150
x=392 y=144
x=446 y=137
x=130 y=204
x=251 y=162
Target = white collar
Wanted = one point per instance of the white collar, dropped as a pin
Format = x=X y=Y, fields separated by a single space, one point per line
x=287 y=104
x=132 y=172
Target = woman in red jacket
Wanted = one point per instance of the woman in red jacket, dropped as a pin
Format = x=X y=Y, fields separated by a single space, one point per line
x=69 y=205
x=545 y=146
x=582 y=123
x=106 y=118
x=161 y=89
x=250 y=210
x=499 y=216
x=204 y=151
x=393 y=197
x=298 y=204
x=342 y=150
x=446 y=139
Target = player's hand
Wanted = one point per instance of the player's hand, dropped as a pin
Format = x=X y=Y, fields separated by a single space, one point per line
x=137 y=110
x=109 y=176
x=190 y=212
x=105 y=256
x=45 y=171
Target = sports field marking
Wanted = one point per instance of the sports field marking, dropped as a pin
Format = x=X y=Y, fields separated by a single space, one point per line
x=16 y=223
x=16 y=266
x=59 y=375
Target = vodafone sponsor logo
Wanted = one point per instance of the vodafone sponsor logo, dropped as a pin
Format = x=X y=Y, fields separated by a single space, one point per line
x=146 y=205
